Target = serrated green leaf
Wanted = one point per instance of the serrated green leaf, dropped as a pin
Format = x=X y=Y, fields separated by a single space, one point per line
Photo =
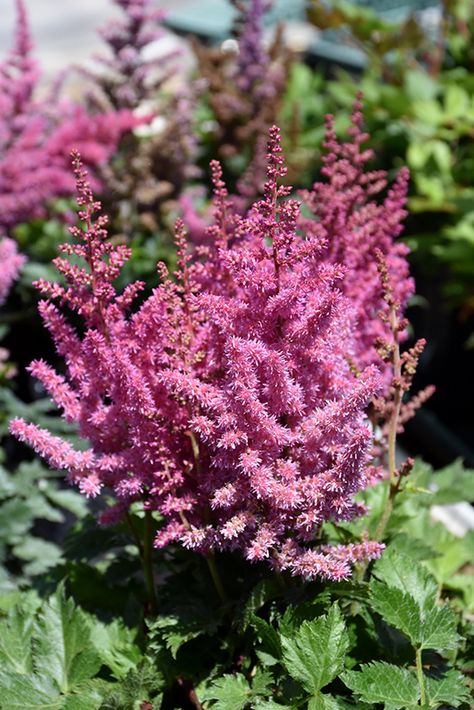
x=143 y=683
x=232 y=692
x=321 y=701
x=400 y=571
x=265 y=590
x=187 y=623
x=269 y=636
x=381 y=682
x=315 y=654
x=397 y=608
x=438 y=629
x=269 y=705
x=28 y=692
x=433 y=628
x=114 y=644
x=449 y=688
x=262 y=683
x=63 y=646
x=15 y=642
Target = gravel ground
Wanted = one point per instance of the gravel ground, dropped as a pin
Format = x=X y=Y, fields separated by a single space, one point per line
x=64 y=31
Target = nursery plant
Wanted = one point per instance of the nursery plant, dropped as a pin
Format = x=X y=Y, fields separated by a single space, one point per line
x=240 y=426
x=203 y=500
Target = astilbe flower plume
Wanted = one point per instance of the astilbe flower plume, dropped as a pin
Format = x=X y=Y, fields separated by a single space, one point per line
x=227 y=402
x=245 y=90
x=37 y=135
x=355 y=226
x=10 y=264
x=151 y=167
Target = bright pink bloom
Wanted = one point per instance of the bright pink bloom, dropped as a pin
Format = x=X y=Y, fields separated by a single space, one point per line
x=10 y=263
x=228 y=402
x=354 y=225
x=37 y=136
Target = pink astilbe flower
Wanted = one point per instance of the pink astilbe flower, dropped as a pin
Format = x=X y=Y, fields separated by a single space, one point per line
x=227 y=402
x=127 y=77
x=37 y=136
x=10 y=264
x=354 y=225
x=152 y=165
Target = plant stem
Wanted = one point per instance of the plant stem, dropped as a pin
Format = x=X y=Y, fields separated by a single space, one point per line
x=392 y=428
x=216 y=578
x=148 y=563
x=135 y=535
x=421 y=677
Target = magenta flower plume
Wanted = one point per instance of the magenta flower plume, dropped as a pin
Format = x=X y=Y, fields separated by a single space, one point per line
x=37 y=136
x=10 y=264
x=355 y=226
x=127 y=77
x=228 y=401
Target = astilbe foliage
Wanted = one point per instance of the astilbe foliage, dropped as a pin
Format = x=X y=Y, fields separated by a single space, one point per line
x=229 y=401
x=37 y=135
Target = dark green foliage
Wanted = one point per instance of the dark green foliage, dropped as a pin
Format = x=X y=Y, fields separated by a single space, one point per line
x=274 y=645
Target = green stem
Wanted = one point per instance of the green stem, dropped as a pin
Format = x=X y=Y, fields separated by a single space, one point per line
x=135 y=535
x=421 y=677
x=216 y=578
x=148 y=563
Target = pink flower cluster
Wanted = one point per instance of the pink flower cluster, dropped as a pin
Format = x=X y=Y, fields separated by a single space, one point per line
x=127 y=77
x=353 y=225
x=37 y=136
x=229 y=401
x=10 y=263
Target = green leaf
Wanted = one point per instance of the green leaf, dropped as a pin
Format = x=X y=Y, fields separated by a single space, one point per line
x=432 y=628
x=316 y=653
x=232 y=692
x=452 y=484
x=143 y=683
x=189 y=622
x=114 y=644
x=397 y=608
x=41 y=554
x=270 y=638
x=15 y=642
x=262 y=683
x=63 y=645
x=450 y=688
x=400 y=571
x=380 y=682
x=265 y=590
x=456 y=101
x=28 y=692
x=269 y=705
x=322 y=701
x=438 y=629
x=420 y=86
x=69 y=500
